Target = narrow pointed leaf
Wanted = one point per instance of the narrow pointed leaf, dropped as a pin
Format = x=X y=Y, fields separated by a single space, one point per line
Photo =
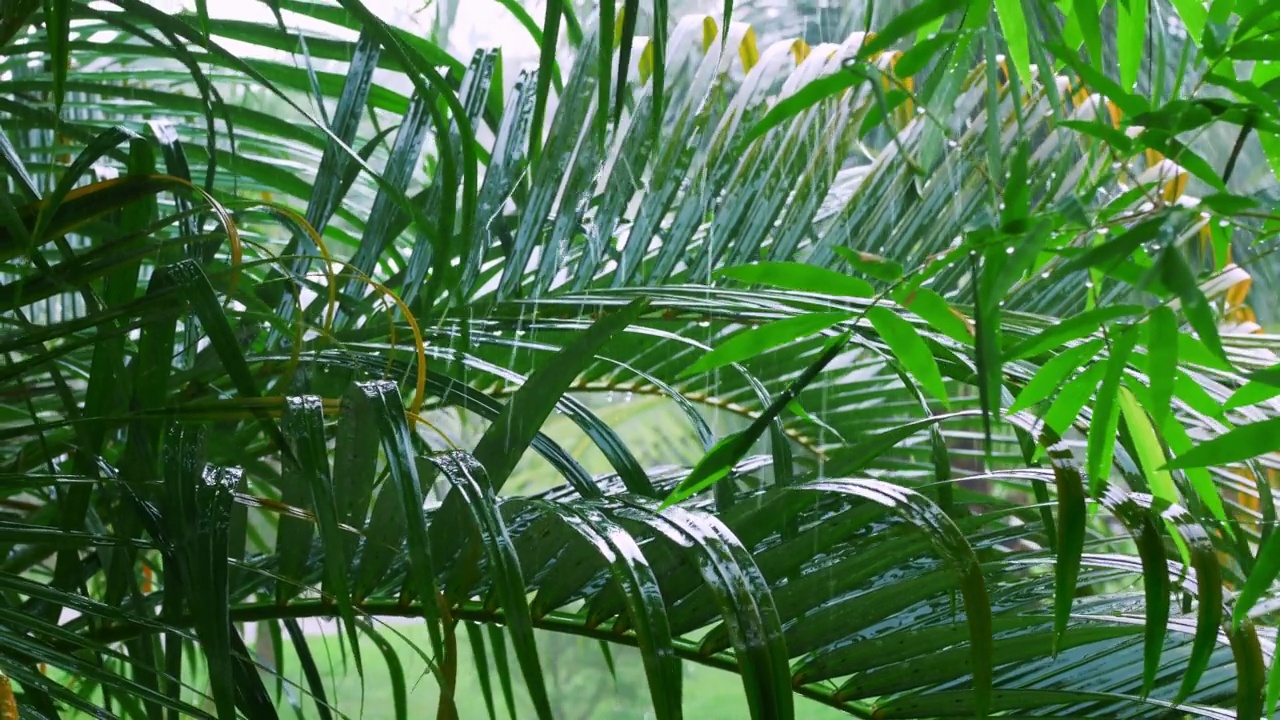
x=754 y=341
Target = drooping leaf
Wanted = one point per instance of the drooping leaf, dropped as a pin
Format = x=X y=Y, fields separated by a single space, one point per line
x=1162 y=360
x=910 y=350
x=803 y=99
x=1106 y=412
x=1242 y=443
x=799 y=276
x=753 y=341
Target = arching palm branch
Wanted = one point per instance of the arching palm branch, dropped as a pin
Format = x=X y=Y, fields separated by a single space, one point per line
x=237 y=337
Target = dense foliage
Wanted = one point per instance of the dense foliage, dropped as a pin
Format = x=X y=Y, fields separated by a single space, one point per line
x=983 y=421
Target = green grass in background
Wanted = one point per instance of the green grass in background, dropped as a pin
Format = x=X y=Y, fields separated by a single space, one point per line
x=577 y=674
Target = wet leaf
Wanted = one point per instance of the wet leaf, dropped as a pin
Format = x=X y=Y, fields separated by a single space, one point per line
x=1243 y=443
x=910 y=349
x=754 y=341
x=799 y=276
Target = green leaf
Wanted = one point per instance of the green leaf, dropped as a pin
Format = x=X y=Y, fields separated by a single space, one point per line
x=720 y=459
x=1129 y=103
x=1013 y=21
x=546 y=64
x=1115 y=250
x=395 y=668
x=1251 y=393
x=1273 y=687
x=806 y=97
x=1131 y=34
x=501 y=563
x=952 y=544
x=204 y=301
x=909 y=349
x=1073 y=397
x=57 y=22
x=855 y=457
x=1086 y=12
x=1208 y=616
x=1162 y=360
x=1071 y=529
x=936 y=311
x=405 y=490
x=909 y=21
x=1177 y=276
x=1053 y=373
x=1193 y=16
x=798 y=276
x=1250 y=671
x=1149 y=449
x=1106 y=412
x=876 y=266
x=1266 y=567
x=754 y=341
x=1243 y=443
x=1143 y=524
x=304 y=424
x=509 y=436
x=630 y=570
x=743 y=598
x=310 y=671
x=924 y=50
x=1073 y=328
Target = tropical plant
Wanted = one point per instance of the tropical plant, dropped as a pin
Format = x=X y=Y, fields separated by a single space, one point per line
x=1004 y=431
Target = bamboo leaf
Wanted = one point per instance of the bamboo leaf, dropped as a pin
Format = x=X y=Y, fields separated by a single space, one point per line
x=909 y=21
x=878 y=267
x=910 y=349
x=798 y=276
x=1014 y=24
x=1053 y=373
x=754 y=341
x=1086 y=12
x=1073 y=328
x=1162 y=360
x=1106 y=412
x=1266 y=567
x=1131 y=34
x=803 y=99
x=1243 y=443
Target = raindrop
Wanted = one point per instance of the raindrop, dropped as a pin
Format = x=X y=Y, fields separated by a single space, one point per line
x=1001 y=206
x=953 y=144
x=1204 y=215
x=1224 y=223
x=609 y=397
x=628 y=397
x=1088 y=284
x=1103 y=231
x=955 y=241
x=704 y=323
x=919 y=111
x=1008 y=251
x=1115 y=165
x=1044 y=274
